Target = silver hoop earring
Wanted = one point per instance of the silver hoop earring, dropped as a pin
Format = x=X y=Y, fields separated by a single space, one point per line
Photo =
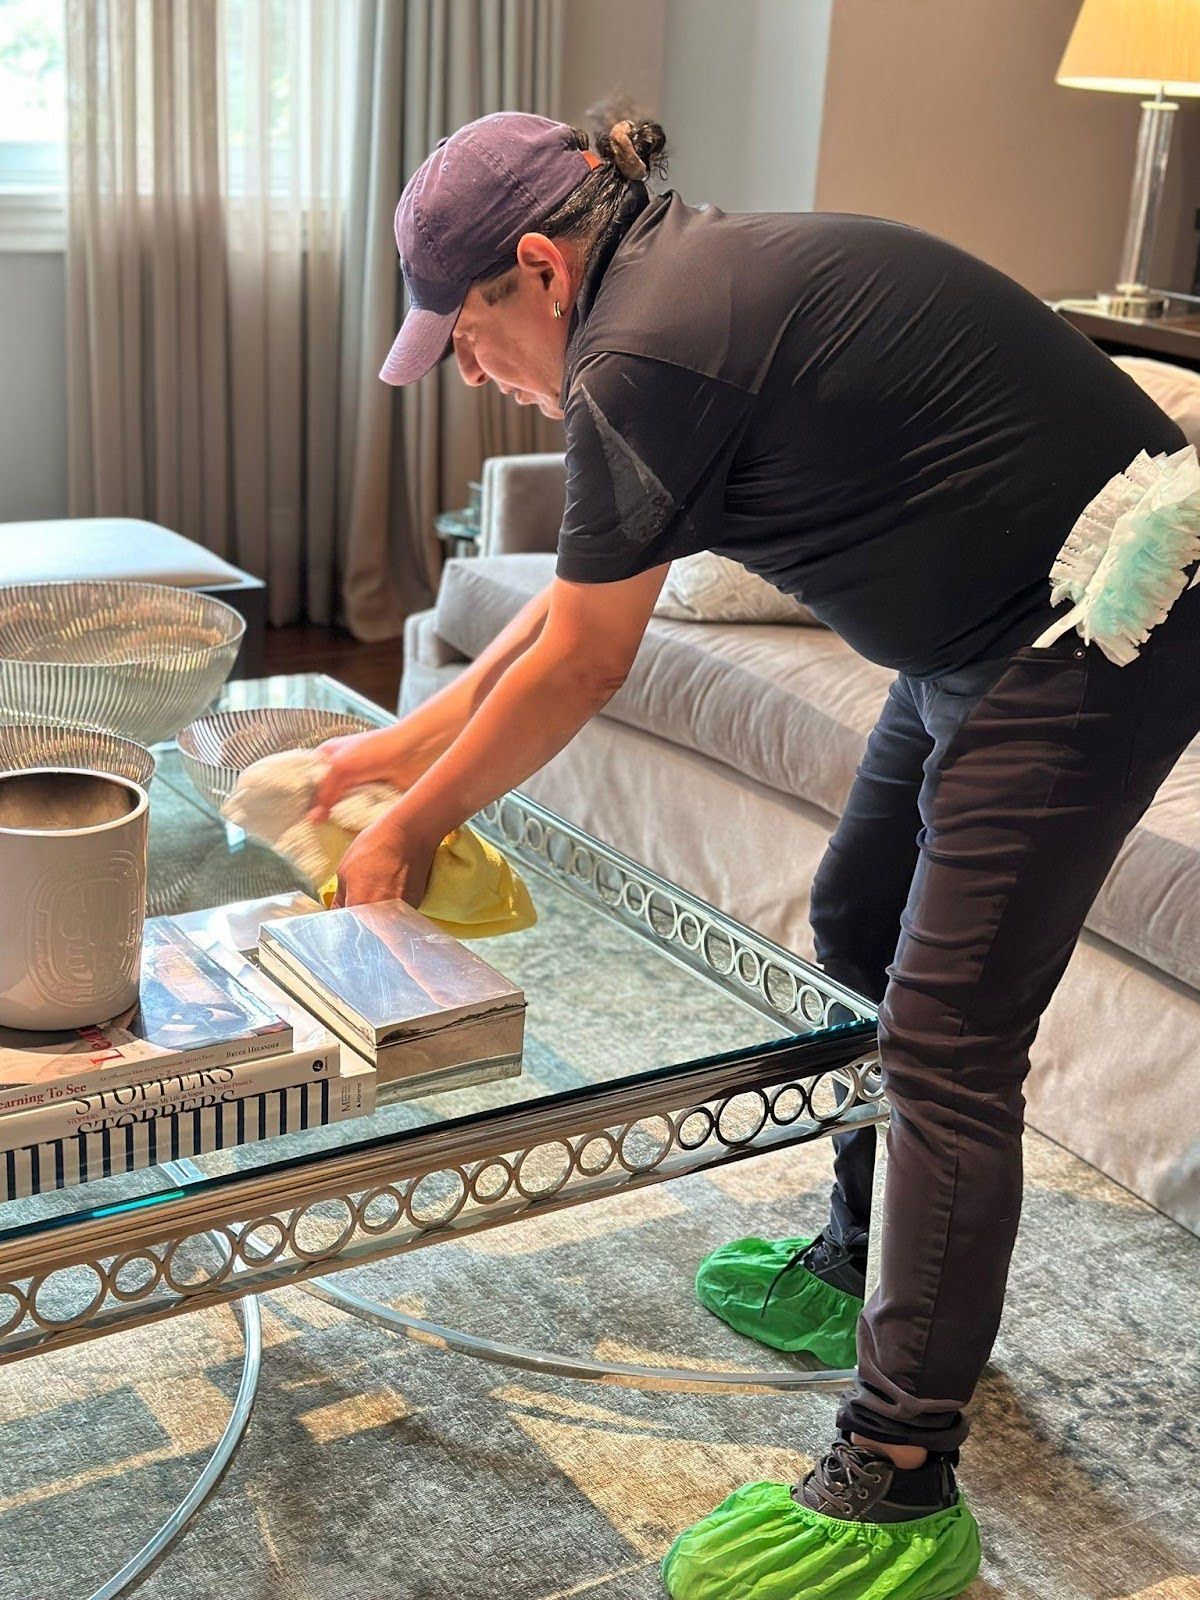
x=557 y=309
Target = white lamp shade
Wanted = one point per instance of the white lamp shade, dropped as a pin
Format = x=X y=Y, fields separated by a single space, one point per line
x=1134 y=47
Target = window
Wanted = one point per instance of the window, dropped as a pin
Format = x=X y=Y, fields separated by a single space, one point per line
x=33 y=119
x=33 y=96
x=284 y=68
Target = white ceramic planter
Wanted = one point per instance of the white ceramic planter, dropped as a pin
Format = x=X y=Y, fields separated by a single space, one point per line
x=72 y=896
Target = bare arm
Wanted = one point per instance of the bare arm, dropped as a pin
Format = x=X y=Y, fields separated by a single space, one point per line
x=401 y=752
x=439 y=721
x=539 y=701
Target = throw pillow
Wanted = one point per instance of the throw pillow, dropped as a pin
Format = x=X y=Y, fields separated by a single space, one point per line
x=712 y=588
x=1176 y=390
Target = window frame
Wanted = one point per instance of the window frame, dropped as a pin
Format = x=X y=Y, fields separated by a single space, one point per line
x=33 y=221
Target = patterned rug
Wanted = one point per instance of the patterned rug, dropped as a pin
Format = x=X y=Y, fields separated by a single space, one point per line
x=376 y=1468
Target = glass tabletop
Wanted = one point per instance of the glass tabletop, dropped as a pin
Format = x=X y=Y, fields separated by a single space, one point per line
x=604 y=1003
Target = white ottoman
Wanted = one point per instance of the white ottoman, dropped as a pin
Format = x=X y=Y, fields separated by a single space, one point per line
x=125 y=547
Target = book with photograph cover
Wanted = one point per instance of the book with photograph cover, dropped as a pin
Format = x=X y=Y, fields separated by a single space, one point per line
x=190 y=1014
x=382 y=975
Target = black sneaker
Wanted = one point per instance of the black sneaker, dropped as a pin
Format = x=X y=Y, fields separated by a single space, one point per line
x=831 y=1263
x=834 y=1264
x=855 y=1484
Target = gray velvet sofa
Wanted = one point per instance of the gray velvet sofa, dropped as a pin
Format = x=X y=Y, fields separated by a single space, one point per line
x=723 y=763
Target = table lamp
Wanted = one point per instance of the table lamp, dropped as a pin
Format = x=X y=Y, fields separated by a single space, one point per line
x=1149 y=47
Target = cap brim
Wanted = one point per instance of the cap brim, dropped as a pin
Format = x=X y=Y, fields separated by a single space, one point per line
x=421 y=343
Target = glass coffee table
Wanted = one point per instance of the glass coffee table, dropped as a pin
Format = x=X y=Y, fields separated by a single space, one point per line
x=661 y=1038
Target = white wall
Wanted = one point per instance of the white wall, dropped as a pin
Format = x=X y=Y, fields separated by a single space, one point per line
x=33 y=388
x=743 y=86
x=611 y=46
x=946 y=115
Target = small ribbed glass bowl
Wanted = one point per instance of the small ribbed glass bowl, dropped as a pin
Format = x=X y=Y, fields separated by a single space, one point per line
x=139 y=659
x=44 y=744
x=218 y=748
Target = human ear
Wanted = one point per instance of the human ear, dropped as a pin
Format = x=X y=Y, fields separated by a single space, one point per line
x=537 y=254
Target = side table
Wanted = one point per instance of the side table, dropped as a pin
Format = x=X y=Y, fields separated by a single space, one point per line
x=1173 y=337
x=459 y=530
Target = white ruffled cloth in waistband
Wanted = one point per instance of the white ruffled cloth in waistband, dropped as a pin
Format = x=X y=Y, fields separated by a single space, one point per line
x=1124 y=563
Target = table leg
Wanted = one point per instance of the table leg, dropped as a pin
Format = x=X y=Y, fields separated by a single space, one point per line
x=624 y=1374
x=140 y=1566
x=551 y=1364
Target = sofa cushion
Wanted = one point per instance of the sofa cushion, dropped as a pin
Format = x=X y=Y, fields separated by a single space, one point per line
x=792 y=707
x=789 y=706
x=108 y=547
x=1174 y=388
x=1150 y=902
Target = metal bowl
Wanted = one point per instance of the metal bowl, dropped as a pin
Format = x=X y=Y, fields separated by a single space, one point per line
x=44 y=744
x=218 y=748
x=138 y=659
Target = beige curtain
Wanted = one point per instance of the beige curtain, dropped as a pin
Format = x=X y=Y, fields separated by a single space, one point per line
x=233 y=285
x=413 y=451
x=146 y=316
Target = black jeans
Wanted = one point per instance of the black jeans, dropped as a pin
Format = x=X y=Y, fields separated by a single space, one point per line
x=988 y=809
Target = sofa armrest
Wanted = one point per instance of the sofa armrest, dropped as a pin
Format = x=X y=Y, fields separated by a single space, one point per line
x=424 y=645
x=522 y=504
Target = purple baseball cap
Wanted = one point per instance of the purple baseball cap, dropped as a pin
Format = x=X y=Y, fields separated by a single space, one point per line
x=461 y=215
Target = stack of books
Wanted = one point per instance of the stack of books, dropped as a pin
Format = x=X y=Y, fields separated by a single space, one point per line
x=213 y=1055
x=223 y=1050
x=427 y=1011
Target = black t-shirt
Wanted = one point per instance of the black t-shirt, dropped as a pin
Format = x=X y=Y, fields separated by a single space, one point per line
x=867 y=416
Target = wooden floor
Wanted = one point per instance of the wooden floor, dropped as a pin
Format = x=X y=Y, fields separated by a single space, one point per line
x=372 y=669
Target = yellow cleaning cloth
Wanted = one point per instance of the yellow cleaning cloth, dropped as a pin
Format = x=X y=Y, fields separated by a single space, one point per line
x=473 y=892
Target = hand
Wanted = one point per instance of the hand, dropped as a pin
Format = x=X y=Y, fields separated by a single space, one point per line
x=347 y=765
x=385 y=862
x=379 y=755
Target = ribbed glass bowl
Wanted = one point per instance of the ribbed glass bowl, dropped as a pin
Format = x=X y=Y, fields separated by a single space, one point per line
x=218 y=748
x=139 y=659
x=43 y=744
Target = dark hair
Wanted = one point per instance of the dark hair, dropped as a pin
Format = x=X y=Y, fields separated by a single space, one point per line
x=631 y=149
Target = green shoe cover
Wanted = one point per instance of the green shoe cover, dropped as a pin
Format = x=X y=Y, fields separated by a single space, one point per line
x=802 y=1314
x=760 y=1543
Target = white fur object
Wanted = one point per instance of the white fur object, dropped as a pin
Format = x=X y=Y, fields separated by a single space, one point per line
x=710 y=588
x=1124 y=563
x=272 y=801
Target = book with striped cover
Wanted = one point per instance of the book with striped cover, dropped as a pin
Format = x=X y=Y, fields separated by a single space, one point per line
x=184 y=1092
x=82 y=1157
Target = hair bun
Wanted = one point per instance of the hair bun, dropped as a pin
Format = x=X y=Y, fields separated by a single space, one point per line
x=635 y=146
x=624 y=152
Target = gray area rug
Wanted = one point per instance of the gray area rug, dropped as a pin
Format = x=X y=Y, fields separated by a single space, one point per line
x=377 y=1468
x=382 y=1469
